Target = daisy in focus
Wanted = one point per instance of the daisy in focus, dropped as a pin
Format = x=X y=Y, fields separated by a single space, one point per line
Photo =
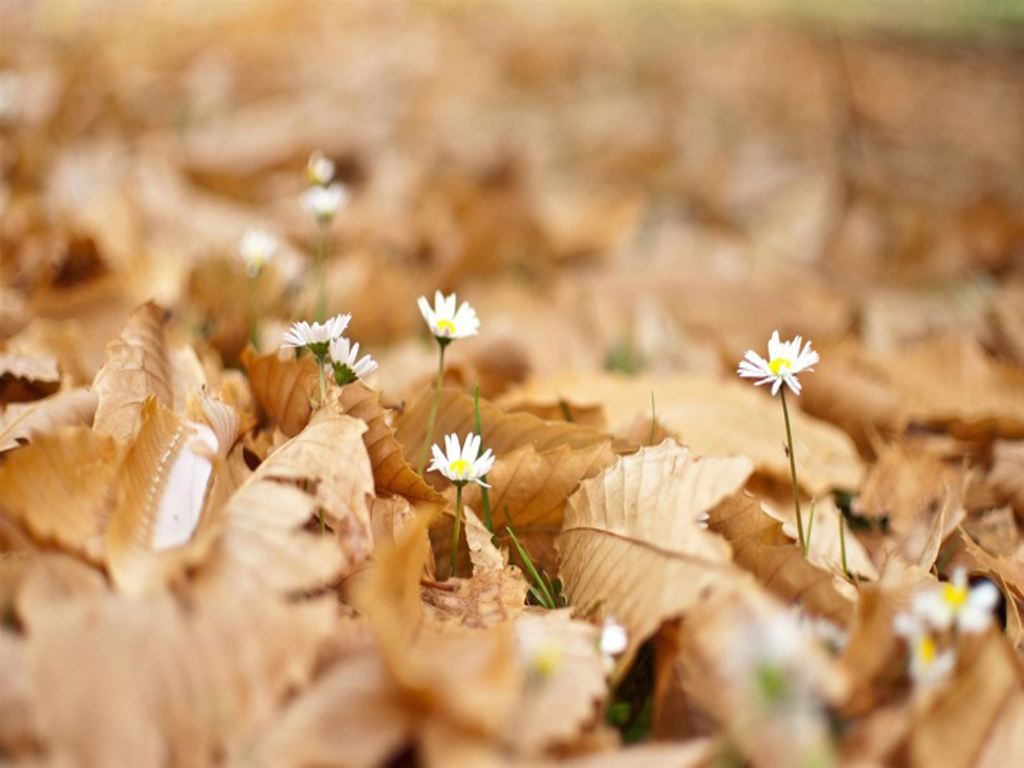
x=346 y=364
x=447 y=323
x=955 y=603
x=316 y=337
x=319 y=169
x=461 y=465
x=256 y=248
x=785 y=360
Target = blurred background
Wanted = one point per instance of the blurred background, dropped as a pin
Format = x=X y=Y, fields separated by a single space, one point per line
x=644 y=185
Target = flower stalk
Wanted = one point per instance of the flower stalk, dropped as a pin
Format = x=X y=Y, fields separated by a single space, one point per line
x=428 y=437
x=456 y=530
x=792 y=471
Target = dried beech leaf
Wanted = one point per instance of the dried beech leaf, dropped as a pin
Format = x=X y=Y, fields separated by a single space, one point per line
x=760 y=546
x=20 y=729
x=1007 y=475
x=391 y=471
x=60 y=487
x=20 y=423
x=141 y=365
x=282 y=387
x=488 y=598
x=636 y=528
x=714 y=418
x=352 y=716
x=157 y=527
x=53 y=581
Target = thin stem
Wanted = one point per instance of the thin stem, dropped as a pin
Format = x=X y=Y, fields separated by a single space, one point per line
x=792 y=470
x=810 y=528
x=254 y=316
x=654 y=416
x=321 y=260
x=485 y=495
x=842 y=542
x=432 y=418
x=323 y=381
x=456 y=529
x=548 y=599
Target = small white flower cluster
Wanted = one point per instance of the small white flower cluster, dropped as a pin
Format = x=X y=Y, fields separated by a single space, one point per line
x=323 y=198
x=938 y=616
x=256 y=249
x=462 y=464
x=330 y=348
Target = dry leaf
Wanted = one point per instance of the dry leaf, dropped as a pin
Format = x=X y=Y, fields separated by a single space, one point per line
x=637 y=526
x=20 y=423
x=282 y=387
x=60 y=487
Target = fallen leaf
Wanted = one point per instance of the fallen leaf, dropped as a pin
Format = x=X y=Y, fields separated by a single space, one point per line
x=282 y=387
x=20 y=423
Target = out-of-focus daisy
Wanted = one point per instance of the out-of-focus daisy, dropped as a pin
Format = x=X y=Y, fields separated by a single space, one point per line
x=319 y=169
x=325 y=202
x=462 y=465
x=785 y=360
x=446 y=322
x=257 y=248
x=612 y=641
x=956 y=603
x=540 y=651
x=346 y=363
x=316 y=337
x=928 y=664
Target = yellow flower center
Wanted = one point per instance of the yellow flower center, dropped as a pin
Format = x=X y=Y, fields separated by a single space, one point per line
x=954 y=595
x=547 y=660
x=446 y=325
x=778 y=363
x=926 y=650
x=458 y=467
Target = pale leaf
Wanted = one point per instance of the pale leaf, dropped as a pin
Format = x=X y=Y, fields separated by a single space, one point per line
x=282 y=387
x=21 y=423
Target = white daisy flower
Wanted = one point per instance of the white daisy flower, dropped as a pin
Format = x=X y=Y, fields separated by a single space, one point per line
x=319 y=169
x=447 y=323
x=540 y=651
x=325 y=202
x=345 y=362
x=462 y=465
x=785 y=360
x=928 y=665
x=955 y=602
x=257 y=248
x=612 y=641
x=318 y=336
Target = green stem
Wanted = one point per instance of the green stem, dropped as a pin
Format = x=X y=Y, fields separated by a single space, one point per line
x=842 y=542
x=654 y=420
x=792 y=471
x=534 y=574
x=432 y=418
x=321 y=260
x=323 y=381
x=456 y=529
x=485 y=496
x=810 y=528
x=254 y=317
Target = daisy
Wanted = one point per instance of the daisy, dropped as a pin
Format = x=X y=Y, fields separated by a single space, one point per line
x=538 y=648
x=316 y=337
x=256 y=248
x=345 y=363
x=928 y=665
x=325 y=202
x=445 y=322
x=956 y=603
x=785 y=360
x=319 y=169
x=612 y=642
x=461 y=465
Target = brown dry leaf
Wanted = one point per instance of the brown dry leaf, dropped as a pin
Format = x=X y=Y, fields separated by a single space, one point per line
x=391 y=471
x=20 y=423
x=636 y=528
x=1007 y=474
x=141 y=668
x=951 y=382
x=1008 y=319
x=140 y=365
x=760 y=546
x=20 y=730
x=157 y=528
x=27 y=377
x=714 y=418
x=60 y=487
x=283 y=387
x=954 y=730
x=351 y=717
x=53 y=581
